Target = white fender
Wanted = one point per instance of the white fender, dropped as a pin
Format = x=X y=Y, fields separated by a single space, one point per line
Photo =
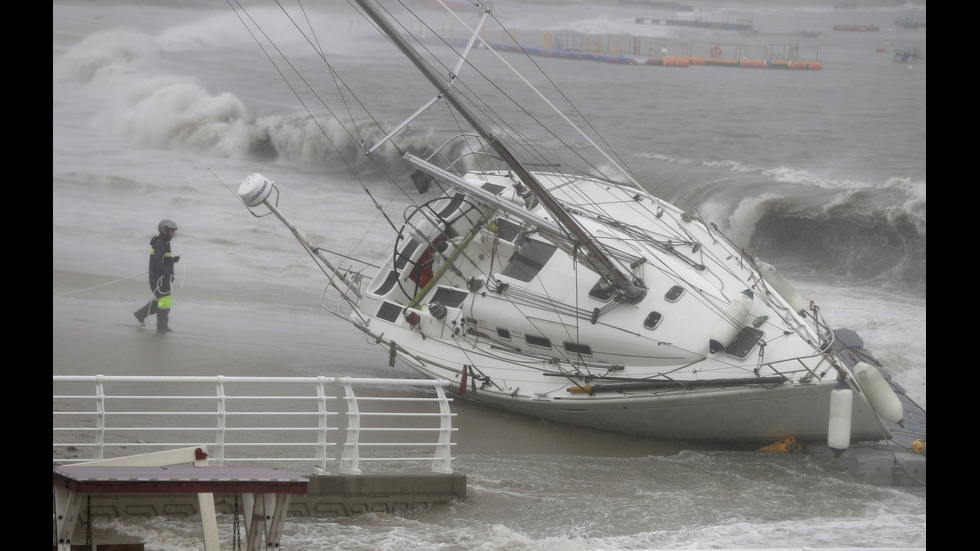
x=839 y=426
x=879 y=393
x=731 y=323
x=781 y=286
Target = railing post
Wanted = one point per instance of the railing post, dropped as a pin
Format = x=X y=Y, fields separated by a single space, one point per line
x=321 y=441
x=219 y=437
x=100 y=419
x=442 y=460
x=350 y=461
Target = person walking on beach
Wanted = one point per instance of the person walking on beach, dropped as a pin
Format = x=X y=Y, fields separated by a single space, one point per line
x=161 y=275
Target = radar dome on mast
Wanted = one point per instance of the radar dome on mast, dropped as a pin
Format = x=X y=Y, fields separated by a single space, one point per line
x=255 y=189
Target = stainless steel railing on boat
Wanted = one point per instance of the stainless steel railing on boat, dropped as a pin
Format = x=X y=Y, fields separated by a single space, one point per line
x=269 y=420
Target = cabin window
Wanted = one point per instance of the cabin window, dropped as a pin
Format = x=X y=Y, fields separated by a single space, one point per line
x=528 y=260
x=534 y=340
x=744 y=342
x=503 y=333
x=652 y=320
x=576 y=348
x=674 y=293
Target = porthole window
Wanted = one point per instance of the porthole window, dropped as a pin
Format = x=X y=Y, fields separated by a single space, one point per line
x=674 y=293
x=503 y=333
x=653 y=320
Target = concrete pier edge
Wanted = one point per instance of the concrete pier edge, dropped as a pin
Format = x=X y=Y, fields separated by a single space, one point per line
x=327 y=496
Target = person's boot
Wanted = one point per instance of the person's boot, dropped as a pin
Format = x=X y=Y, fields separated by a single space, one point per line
x=163 y=316
x=146 y=310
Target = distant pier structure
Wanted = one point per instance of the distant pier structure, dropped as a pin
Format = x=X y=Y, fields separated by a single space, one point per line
x=640 y=50
x=677 y=6
x=726 y=21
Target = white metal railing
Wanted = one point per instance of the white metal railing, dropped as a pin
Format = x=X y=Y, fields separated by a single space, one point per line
x=255 y=419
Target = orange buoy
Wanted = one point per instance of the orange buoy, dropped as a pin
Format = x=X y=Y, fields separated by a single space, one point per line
x=785 y=445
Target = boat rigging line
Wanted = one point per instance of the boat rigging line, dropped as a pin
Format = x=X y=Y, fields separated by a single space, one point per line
x=341 y=86
x=487 y=46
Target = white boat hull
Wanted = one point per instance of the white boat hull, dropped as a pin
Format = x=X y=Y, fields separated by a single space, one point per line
x=742 y=413
x=723 y=415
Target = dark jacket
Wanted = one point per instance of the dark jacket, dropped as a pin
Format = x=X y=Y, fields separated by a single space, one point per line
x=161 y=265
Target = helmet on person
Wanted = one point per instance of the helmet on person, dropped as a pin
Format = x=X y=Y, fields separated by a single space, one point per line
x=166 y=225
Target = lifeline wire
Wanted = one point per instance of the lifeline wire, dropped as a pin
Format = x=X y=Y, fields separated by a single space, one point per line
x=103 y=285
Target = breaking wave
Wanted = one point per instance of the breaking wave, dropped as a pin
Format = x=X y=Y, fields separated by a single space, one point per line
x=858 y=230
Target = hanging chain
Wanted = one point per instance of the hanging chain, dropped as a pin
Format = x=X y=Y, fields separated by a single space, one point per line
x=88 y=525
x=236 y=540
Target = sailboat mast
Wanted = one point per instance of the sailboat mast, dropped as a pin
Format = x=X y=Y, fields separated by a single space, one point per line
x=596 y=257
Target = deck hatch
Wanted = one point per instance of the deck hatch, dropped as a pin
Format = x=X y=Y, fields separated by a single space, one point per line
x=602 y=290
x=493 y=188
x=507 y=230
x=450 y=297
x=744 y=342
x=528 y=260
x=389 y=311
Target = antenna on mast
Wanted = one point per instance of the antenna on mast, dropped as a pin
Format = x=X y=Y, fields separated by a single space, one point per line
x=255 y=191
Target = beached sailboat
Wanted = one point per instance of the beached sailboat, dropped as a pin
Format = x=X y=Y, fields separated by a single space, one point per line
x=579 y=297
